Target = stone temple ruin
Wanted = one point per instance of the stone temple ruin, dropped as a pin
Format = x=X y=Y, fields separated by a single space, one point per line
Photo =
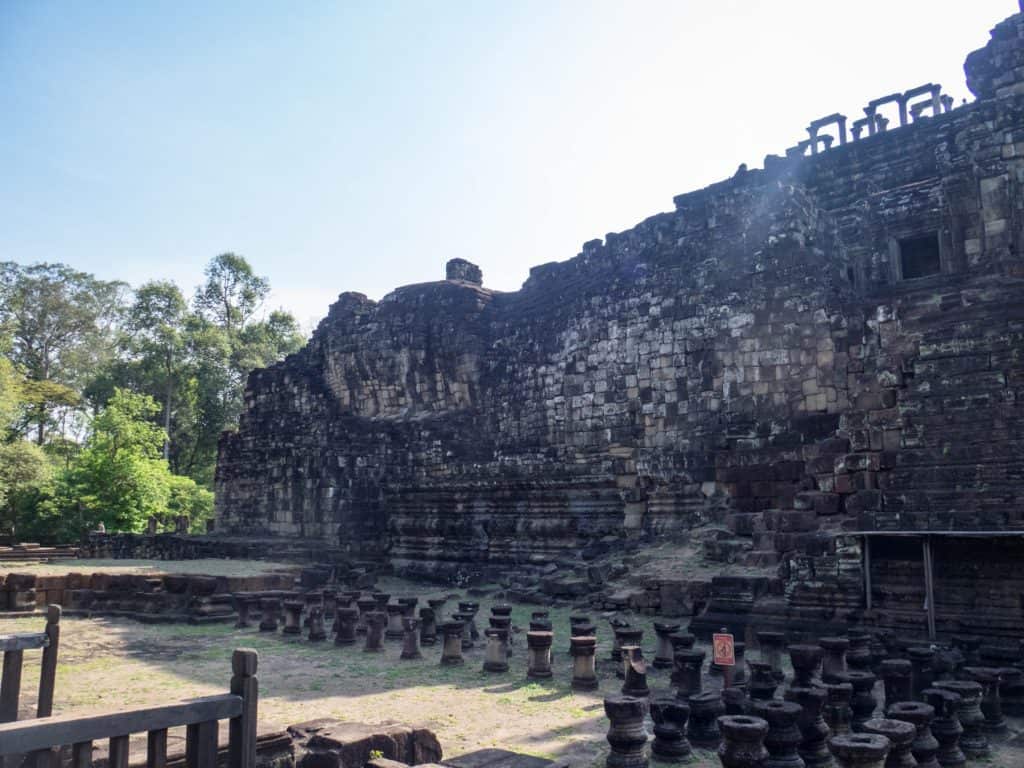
x=823 y=359
x=810 y=370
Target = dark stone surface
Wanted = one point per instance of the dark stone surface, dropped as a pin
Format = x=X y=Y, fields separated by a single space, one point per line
x=756 y=358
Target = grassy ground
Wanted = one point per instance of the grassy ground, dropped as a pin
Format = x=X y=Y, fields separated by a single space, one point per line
x=117 y=664
x=241 y=568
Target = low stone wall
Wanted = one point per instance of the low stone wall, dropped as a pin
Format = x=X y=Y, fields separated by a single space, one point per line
x=152 y=597
x=174 y=546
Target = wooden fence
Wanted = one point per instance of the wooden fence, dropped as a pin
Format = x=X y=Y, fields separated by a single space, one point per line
x=14 y=647
x=44 y=737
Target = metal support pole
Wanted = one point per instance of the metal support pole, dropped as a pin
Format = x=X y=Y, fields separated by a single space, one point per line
x=929 y=586
x=867 y=572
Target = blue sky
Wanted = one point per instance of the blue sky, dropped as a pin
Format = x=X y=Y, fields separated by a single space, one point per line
x=358 y=146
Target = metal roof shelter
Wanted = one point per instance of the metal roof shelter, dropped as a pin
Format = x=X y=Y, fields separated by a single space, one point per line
x=926 y=545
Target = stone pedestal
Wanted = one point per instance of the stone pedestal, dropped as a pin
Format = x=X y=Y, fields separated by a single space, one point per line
x=451 y=648
x=437 y=603
x=496 y=650
x=539 y=661
x=991 y=703
x=375 y=623
x=837 y=712
x=634 y=672
x=617 y=627
x=1011 y=690
x=470 y=610
x=739 y=670
x=312 y=600
x=465 y=621
x=411 y=638
x=584 y=674
x=814 y=732
x=541 y=625
x=784 y=736
x=664 y=653
x=580 y=626
x=901 y=738
x=317 y=631
x=920 y=716
x=833 y=663
x=863 y=703
x=896 y=679
x=858 y=655
x=270 y=609
x=690 y=665
x=501 y=609
x=670 y=716
x=626 y=734
x=408 y=606
x=330 y=603
x=973 y=742
x=366 y=606
x=293 y=617
x=946 y=727
x=705 y=709
x=381 y=600
x=762 y=683
x=859 y=750
x=806 y=660
x=628 y=636
x=681 y=641
x=921 y=673
x=735 y=701
x=503 y=623
x=428 y=626
x=771 y=645
x=742 y=741
x=581 y=630
x=244 y=605
x=394 y=629
x=345 y=626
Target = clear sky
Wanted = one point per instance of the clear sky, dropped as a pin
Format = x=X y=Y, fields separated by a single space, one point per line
x=359 y=145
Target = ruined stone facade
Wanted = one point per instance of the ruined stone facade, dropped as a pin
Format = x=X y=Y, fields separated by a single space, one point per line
x=830 y=344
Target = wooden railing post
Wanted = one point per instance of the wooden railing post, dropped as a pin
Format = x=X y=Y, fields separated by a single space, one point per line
x=118 y=755
x=201 y=745
x=48 y=672
x=10 y=686
x=156 y=748
x=81 y=755
x=242 y=729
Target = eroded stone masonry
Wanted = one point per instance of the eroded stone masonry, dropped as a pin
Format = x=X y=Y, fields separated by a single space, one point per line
x=827 y=346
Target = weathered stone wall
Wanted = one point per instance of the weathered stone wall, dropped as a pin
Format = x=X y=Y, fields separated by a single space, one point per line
x=754 y=357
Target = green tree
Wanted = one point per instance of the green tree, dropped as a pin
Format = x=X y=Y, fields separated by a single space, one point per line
x=25 y=473
x=120 y=477
x=61 y=323
x=156 y=325
x=232 y=294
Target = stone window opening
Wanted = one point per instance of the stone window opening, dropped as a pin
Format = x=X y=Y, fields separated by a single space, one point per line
x=918 y=256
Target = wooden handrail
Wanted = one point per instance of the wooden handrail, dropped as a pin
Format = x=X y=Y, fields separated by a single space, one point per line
x=44 y=736
x=45 y=732
x=24 y=642
x=13 y=648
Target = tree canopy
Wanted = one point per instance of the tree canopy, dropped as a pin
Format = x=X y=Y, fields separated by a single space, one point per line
x=112 y=400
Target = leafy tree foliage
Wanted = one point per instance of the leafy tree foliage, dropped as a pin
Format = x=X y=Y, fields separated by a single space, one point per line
x=125 y=395
x=61 y=324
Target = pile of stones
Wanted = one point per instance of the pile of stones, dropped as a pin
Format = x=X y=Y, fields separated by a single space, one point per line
x=855 y=701
x=858 y=700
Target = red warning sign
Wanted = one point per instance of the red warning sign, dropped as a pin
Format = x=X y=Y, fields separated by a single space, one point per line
x=724 y=651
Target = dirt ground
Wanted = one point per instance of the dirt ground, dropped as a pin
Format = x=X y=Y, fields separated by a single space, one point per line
x=117 y=664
